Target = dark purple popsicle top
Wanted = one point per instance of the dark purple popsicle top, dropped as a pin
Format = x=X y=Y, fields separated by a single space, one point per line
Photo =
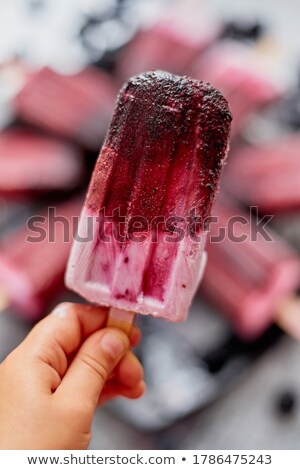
x=164 y=150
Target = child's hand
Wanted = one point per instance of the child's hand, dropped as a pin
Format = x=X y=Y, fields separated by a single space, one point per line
x=51 y=384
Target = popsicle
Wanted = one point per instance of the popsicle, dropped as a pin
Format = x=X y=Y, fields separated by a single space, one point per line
x=288 y=226
x=32 y=271
x=172 y=43
x=159 y=166
x=31 y=163
x=267 y=175
x=248 y=277
x=78 y=107
x=241 y=75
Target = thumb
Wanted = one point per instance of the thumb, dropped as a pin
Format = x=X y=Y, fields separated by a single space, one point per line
x=92 y=366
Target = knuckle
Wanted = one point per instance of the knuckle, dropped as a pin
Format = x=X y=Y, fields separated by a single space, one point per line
x=95 y=366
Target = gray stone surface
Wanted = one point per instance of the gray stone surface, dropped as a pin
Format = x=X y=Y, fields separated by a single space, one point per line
x=247 y=417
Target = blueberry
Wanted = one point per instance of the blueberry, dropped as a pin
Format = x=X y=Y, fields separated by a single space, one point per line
x=286 y=402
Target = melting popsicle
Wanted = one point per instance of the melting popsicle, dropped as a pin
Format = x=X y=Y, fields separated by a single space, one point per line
x=159 y=166
x=31 y=163
x=248 y=277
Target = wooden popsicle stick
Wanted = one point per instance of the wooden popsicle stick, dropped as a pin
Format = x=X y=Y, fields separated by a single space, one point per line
x=121 y=319
x=288 y=317
x=4 y=301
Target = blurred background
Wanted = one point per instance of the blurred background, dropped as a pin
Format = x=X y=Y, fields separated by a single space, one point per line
x=229 y=377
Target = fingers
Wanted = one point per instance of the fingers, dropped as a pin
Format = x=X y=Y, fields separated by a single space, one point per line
x=127 y=381
x=135 y=336
x=67 y=327
x=91 y=367
x=62 y=332
x=56 y=339
x=69 y=324
x=129 y=371
x=114 y=389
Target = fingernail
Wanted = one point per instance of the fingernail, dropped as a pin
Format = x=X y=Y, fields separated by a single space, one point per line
x=113 y=344
x=61 y=310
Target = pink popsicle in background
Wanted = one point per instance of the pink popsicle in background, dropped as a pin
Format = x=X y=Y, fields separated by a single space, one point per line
x=32 y=273
x=235 y=70
x=31 y=163
x=78 y=107
x=267 y=175
x=248 y=279
x=172 y=43
x=162 y=159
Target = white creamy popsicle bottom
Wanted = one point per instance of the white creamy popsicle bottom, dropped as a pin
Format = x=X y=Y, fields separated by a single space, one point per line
x=112 y=274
